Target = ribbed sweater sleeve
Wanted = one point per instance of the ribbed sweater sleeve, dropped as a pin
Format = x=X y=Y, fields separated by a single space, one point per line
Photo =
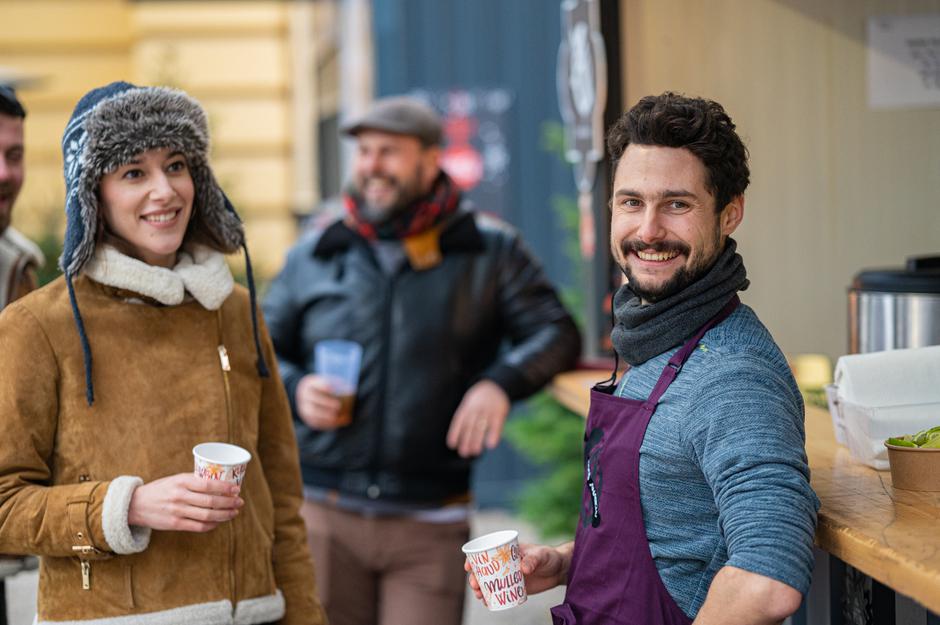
x=747 y=435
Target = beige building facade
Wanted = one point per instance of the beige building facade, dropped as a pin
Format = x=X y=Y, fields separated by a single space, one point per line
x=253 y=64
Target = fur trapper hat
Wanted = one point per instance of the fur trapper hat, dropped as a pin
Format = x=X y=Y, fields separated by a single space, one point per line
x=108 y=128
x=113 y=124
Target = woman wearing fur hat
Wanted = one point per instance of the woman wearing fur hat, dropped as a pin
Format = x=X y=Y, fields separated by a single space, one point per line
x=111 y=374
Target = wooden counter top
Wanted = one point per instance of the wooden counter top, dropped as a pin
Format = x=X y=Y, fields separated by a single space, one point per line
x=893 y=535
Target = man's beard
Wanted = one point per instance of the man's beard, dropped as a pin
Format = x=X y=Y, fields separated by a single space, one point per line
x=407 y=192
x=683 y=277
x=379 y=215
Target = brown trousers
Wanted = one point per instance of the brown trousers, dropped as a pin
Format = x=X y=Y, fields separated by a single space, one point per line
x=386 y=570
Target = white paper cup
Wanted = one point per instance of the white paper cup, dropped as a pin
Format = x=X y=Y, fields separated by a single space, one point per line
x=495 y=560
x=221 y=461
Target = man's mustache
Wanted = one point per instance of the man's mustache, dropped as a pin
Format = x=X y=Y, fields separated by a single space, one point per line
x=659 y=247
x=385 y=179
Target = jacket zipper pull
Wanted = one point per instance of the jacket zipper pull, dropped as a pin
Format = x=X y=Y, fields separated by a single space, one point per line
x=223 y=356
x=86 y=575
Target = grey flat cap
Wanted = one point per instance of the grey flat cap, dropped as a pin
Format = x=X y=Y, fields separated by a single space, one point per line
x=400 y=115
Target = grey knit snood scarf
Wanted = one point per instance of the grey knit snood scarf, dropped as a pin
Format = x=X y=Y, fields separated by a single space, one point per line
x=643 y=331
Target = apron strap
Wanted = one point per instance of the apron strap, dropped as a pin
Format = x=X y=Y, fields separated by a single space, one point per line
x=674 y=366
x=609 y=385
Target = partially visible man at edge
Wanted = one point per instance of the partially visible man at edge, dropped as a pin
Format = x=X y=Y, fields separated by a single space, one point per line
x=19 y=257
x=433 y=292
x=697 y=504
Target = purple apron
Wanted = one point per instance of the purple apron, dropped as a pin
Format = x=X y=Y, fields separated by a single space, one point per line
x=613 y=578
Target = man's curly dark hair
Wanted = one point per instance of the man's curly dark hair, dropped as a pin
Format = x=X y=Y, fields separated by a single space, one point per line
x=701 y=126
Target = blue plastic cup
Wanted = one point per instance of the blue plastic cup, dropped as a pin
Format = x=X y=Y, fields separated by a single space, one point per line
x=338 y=361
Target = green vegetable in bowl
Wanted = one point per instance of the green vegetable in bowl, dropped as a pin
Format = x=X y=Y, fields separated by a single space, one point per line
x=927 y=439
x=933 y=443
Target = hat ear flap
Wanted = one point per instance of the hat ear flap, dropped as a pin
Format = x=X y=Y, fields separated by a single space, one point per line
x=74 y=230
x=215 y=219
x=81 y=217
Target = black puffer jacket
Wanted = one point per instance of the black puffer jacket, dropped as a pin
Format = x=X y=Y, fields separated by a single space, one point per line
x=427 y=337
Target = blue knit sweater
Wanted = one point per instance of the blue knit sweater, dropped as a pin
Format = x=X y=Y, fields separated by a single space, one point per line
x=723 y=471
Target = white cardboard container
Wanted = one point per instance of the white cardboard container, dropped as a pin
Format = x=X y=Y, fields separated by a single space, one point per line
x=838 y=425
x=883 y=394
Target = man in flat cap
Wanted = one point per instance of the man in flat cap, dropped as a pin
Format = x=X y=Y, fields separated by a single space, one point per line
x=456 y=320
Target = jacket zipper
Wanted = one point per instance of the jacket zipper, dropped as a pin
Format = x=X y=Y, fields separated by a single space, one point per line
x=84 y=550
x=373 y=491
x=226 y=368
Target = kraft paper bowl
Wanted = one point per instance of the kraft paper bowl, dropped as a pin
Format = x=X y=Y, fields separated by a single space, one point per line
x=914 y=468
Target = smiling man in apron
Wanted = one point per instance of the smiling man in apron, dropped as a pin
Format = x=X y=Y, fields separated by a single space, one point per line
x=697 y=504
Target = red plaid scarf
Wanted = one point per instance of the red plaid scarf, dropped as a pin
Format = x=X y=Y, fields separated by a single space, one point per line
x=431 y=210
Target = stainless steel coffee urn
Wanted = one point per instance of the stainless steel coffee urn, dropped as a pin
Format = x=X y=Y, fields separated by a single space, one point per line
x=895 y=308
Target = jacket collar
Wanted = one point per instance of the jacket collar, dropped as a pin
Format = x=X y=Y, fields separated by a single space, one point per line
x=460 y=234
x=201 y=271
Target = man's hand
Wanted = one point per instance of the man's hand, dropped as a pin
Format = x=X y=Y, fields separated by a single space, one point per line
x=480 y=416
x=739 y=597
x=185 y=503
x=316 y=404
x=543 y=568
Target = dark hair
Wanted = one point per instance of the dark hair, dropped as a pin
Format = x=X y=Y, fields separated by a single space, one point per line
x=9 y=104
x=698 y=125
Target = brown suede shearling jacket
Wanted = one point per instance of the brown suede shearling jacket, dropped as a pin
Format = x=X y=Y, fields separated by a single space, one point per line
x=162 y=385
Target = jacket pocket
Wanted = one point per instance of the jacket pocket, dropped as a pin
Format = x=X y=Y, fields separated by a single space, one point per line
x=129 y=587
x=61 y=595
x=256 y=572
x=256 y=566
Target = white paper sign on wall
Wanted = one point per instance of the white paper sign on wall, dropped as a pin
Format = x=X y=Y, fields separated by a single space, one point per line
x=904 y=61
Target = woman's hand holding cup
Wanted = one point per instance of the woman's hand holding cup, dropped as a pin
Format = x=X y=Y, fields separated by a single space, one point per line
x=184 y=502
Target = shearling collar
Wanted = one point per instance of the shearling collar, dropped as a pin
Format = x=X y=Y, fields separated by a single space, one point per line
x=202 y=272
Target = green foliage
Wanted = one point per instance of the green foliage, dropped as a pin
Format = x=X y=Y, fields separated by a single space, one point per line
x=51 y=246
x=565 y=208
x=566 y=211
x=553 y=138
x=546 y=432
x=237 y=266
x=551 y=436
x=816 y=397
